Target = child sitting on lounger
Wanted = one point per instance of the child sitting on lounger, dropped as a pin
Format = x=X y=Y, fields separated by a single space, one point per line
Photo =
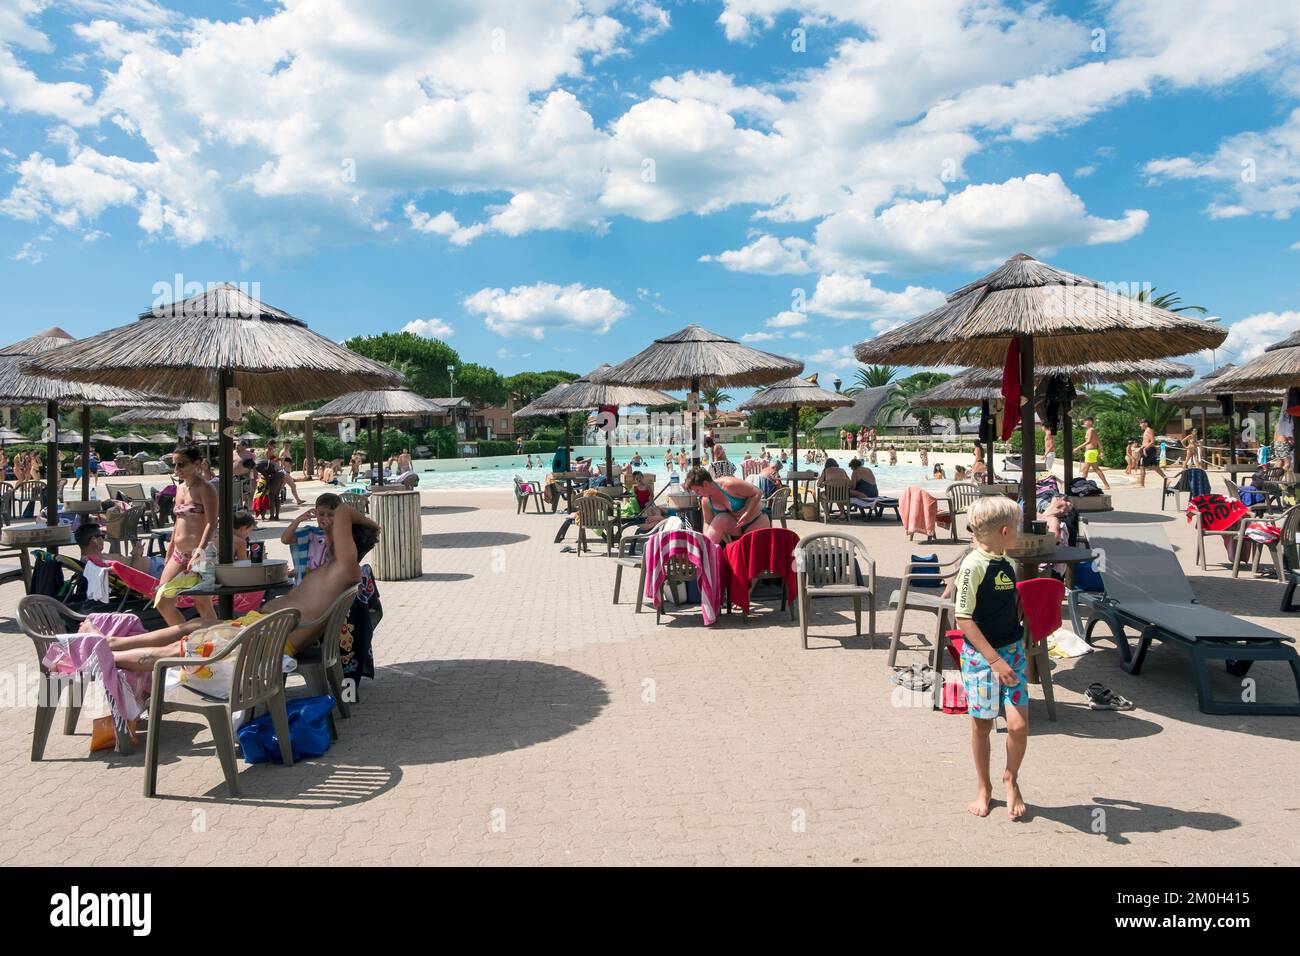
x=993 y=657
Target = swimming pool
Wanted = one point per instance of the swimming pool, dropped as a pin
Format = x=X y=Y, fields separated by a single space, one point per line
x=498 y=471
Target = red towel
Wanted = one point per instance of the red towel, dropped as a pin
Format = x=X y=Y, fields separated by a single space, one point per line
x=1011 y=389
x=768 y=550
x=1217 y=512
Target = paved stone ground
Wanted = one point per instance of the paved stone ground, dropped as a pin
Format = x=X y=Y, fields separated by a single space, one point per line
x=520 y=717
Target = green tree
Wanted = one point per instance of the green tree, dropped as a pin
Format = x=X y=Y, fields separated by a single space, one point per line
x=1170 y=301
x=1137 y=399
x=900 y=399
x=713 y=398
x=871 y=376
x=480 y=384
x=423 y=361
x=527 y=387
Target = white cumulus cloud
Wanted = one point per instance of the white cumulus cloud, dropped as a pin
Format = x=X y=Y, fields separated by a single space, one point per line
x=532 y=310
x=429 y=328
x=1250 y=336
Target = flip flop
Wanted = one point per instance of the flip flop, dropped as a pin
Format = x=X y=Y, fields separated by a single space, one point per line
x=1101 y=697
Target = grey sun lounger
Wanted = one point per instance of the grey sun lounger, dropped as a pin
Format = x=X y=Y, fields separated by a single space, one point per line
x=1147 y=591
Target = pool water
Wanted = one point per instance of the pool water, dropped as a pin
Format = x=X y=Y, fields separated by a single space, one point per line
x=498 y=471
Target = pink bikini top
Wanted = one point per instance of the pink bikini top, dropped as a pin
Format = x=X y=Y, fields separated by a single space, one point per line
x=188 y=508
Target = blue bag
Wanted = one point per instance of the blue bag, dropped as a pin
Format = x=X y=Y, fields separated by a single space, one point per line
x=928 y=559
x=309 y=731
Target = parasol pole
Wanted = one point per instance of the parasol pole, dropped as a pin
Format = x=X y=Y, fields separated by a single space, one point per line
x=309 y=462
x=986 y=426
x=379 y=427
x=693 y=404
x=85 y=452
x=609 y=455
x=794 y=452
x=1028 y=464
x=225 y=490
x=1067 y=433
x=52 y=467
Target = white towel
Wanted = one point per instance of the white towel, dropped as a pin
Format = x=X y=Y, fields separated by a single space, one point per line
x=96 y=583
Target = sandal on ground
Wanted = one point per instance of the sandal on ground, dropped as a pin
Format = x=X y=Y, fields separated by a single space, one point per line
x=1101 y=697
x=915 y=677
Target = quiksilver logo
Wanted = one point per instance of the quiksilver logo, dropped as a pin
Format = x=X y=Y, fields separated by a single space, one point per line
x=75 y=909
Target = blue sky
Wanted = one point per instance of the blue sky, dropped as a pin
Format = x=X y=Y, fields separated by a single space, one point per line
x=551 y=184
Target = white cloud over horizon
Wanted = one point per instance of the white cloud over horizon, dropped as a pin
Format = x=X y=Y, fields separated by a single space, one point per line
x=535 y=309
x=429 y=328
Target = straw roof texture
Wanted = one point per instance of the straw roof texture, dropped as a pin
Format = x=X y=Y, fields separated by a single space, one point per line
x=183 y=412
x=695 y=353
x=584 y=394
x=177 y=350
x=1278 y=367
x=51 y=338
x=1209 y=387
x=1073 y=320
x=796 y=391
x=984 y=384
x=394 y=402
x=864 y=410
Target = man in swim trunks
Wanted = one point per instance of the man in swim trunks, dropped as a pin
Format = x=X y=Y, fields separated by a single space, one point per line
x=349 y=543
x=1148 y=454
x=1091 y=448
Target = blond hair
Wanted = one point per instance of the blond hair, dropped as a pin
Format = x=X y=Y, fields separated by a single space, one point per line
x=988 y=513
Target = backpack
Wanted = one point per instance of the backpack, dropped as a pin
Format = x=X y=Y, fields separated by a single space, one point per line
x=47 y=576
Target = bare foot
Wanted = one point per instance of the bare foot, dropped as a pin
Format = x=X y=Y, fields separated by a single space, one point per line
x=980 y=805
x=1015 y=800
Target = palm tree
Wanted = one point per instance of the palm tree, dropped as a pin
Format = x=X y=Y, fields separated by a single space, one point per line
x=956 y=416
x=1168 y=301
x=871 y=376
x=900 y=402
x=713 y=397
x=1136 y=399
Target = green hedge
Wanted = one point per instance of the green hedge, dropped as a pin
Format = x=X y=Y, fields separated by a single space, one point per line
x=1116 y=430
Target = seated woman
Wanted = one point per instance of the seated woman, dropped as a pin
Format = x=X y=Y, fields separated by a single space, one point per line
x=832 y=472
x=349 y=542
x=862 y=479
x=731 y=506
x=938 y=472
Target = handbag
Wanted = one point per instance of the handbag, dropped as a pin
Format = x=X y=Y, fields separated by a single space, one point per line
x=309 y=732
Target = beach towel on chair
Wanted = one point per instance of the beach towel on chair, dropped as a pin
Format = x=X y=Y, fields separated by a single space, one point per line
x=919 y=511
x=1217 y=512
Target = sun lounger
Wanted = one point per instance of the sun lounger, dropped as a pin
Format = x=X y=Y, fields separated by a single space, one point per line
x=1147 y=591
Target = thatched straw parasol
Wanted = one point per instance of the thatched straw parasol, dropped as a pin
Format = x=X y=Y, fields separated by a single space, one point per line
x=794 y=393
x=8 y=434
x=18 y=387
x=1278 y=367
x=377 y=404
x=983 y=387
x=190 y=412
x=1053 y=317
x=160 y=438
x=584 y=394
x=204 y=347
x=696 y=358
x=1206 y=390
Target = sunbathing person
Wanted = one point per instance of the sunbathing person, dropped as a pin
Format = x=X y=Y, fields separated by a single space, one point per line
x=349 y=542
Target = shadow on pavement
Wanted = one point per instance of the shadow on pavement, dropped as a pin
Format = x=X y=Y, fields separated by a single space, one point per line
x=1115 y=819
x=471 y=539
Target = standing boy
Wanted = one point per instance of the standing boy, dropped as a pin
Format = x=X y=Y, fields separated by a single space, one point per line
x=992 y=657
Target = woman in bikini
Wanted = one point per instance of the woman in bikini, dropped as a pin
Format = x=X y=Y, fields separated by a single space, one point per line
x=196 y=520
x=731 y=506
